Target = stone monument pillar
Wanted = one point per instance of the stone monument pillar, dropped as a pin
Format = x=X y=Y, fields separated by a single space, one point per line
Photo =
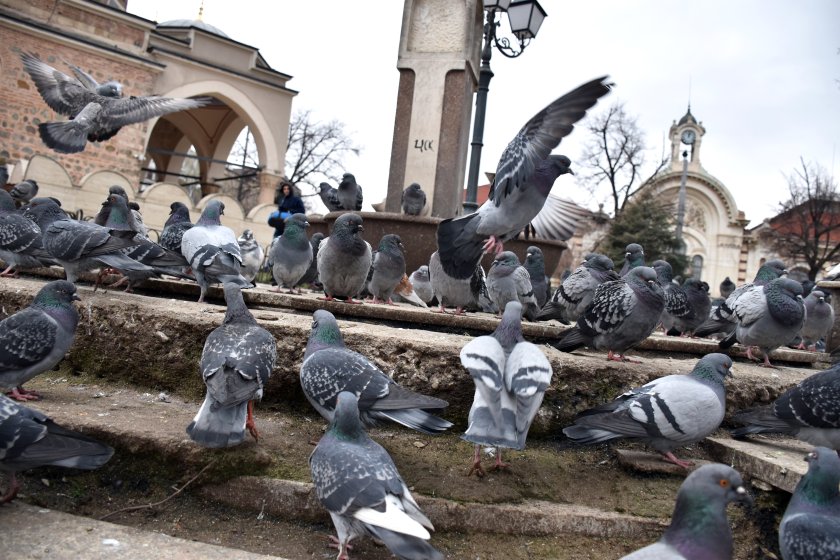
x=438 y=65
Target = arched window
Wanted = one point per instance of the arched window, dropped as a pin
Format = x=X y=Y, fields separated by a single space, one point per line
x=696 y=267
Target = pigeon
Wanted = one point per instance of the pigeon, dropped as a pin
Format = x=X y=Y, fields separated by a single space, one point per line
x=291 y=255
x=721 y=318
x=634 y=255
x=535 y=265
x=413 y=200
x=36 y=338
x=622 y=313
x=726 y=287
x=24 y=191
x=699 y=307
x=212 y=250
x=388 y=268
x=344 y=259
x=236 y=362
x=4 y=173
x=349 y=193
x=524 y=176
x=78 y=245
x=405 y=292
x=29 y=439
x=93 y=117
x=102 y=217
x=573 y=296
x=252 y=255
x=329 y=196
x=329 y=367
x=819 y=318
x=311 y=276
x=358 y=483
x=767 y=317
x=462 y=294
x=699 y=528
x=21 y=245
x=176 y=224
x=810 y=528
x=667 y=413
x=678 y=306
x=422 y=284
x=809 y=411
x=511 y=376
x=509 y=281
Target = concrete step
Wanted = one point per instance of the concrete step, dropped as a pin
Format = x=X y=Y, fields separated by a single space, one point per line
x=31 y=532
x=777 y=461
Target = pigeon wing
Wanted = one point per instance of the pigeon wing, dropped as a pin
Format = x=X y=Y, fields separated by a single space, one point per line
x=63 y=94
x=330 y=371
x=130 y=110
x=527 y=376
x=814 y=403
x=610 y=306
x=26 y=338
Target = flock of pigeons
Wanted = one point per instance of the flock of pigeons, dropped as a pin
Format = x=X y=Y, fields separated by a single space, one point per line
x=354 y=477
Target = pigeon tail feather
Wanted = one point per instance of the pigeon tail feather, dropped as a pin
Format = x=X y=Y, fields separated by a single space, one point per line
x=728 y=341
x=222 y=427
x=64 y=137
x=573 y=340
x=460 y=247
x=406 y=547
x=414 y=418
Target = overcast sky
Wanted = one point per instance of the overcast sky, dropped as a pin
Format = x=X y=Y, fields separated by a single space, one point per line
x=764 y=77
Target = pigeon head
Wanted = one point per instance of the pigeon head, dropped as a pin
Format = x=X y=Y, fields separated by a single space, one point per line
x=505 y=260
x=237 y=311
x=178 y=213
x=211 y=215
x=821 y=484
x=696 y=285
x=324 y=187
x=346 y=423
x=713 y=368
x=116 y=189
x=324 y=334
x=110 y=89
x=561 y=164
x=634 y=252
x=24 y=191
x=298 y=220
x=246 y=236
x=347 y=179
x=348 y=224
x=644 y=282
x=422 y=273
x=120 y=217
x=316 y=239
x=816 y=296
x=534 y=255
x=44 y=211
x=770 y=270
x=599 y=262
x=59 y=293
x=414 y=187
x=664 y=272
x=391 y=242
x=177 y=208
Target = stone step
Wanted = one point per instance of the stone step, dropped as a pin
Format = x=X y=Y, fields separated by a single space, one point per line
x=777 y=461
x=30 y=532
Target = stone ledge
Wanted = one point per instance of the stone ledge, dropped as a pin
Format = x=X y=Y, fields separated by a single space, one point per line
x=777 y=461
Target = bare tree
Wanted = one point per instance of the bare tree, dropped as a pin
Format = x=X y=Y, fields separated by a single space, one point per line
x=615 y=154
x=316 y=150
x=807 y=228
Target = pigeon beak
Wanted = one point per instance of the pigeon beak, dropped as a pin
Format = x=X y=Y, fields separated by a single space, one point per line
x=571 y=172
x=75 y=297
x=360 y=228
x=743 y=495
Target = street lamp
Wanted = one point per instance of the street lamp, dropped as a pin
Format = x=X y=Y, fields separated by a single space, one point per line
x=525 y=17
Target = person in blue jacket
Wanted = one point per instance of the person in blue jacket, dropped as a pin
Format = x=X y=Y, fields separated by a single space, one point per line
x=288 y=202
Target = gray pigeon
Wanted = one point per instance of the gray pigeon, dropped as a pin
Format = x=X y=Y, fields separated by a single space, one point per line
x=349 y=193
x=404 y=292
x=573 y=296
x=236 y=362
x=311 y=276
x=24 y=191
x=212 y=250
x=329 y=196
x=93 y=117
x=509 y=281
x=252 y=255
x=667 y=413
x=678 y=306
x=699 y=528
x=462 y=294
x=21 y=245
x=329 y=367
x=358 y=483
x=819 y=318
x=809 y=411
x=29 y=439
x=176 y=224
x=413 y=200
x=535 y=265
x=768 y=317
x=726 y=287
x=291 y=255
x=36 y=338
x=422 y=284
x=102 y=216
x=524 y=177
x=810 y=528
x=622 y=313
x=388 y=268
x=344 y=259
x=634 y=255
x=511 y=376
x=699 y=306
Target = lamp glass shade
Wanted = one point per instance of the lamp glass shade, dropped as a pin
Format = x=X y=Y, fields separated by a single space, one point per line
x=526 y=17
x=498 y=5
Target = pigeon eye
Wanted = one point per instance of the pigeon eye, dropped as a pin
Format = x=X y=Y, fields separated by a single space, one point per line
x=724 y=483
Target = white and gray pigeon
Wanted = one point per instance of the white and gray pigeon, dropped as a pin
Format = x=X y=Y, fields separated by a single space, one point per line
x=524 y=177
x=358 y=483
x=329 y=196
x=699 y=528
x=388 y=268
x=809 y=411
x=252 y=255
x=511 y=376
x=508 y=281
x=349 y=193
x=819 y=318
x=634 y=255
x=767 y=317
x=311 y=276
x=535 y=265
x=422 y=284
x=29 y=439
x=37 y=337
x=574 y=295
x=176 y=224
x=212 y=250
x=667 y=413
x=21 y=245
x=810 y=527
x=344 y=259
x=92 y=117
x=699 y=305
x=329 y=367
x=622 y=313
x=24 y=191
x=462 y=294
x=413 y=200
x=236 y=362
x=291 y=255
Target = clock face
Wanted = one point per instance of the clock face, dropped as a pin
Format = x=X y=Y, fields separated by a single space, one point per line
x=688 y=137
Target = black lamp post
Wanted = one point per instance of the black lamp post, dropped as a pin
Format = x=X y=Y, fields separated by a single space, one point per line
x=526 y=17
